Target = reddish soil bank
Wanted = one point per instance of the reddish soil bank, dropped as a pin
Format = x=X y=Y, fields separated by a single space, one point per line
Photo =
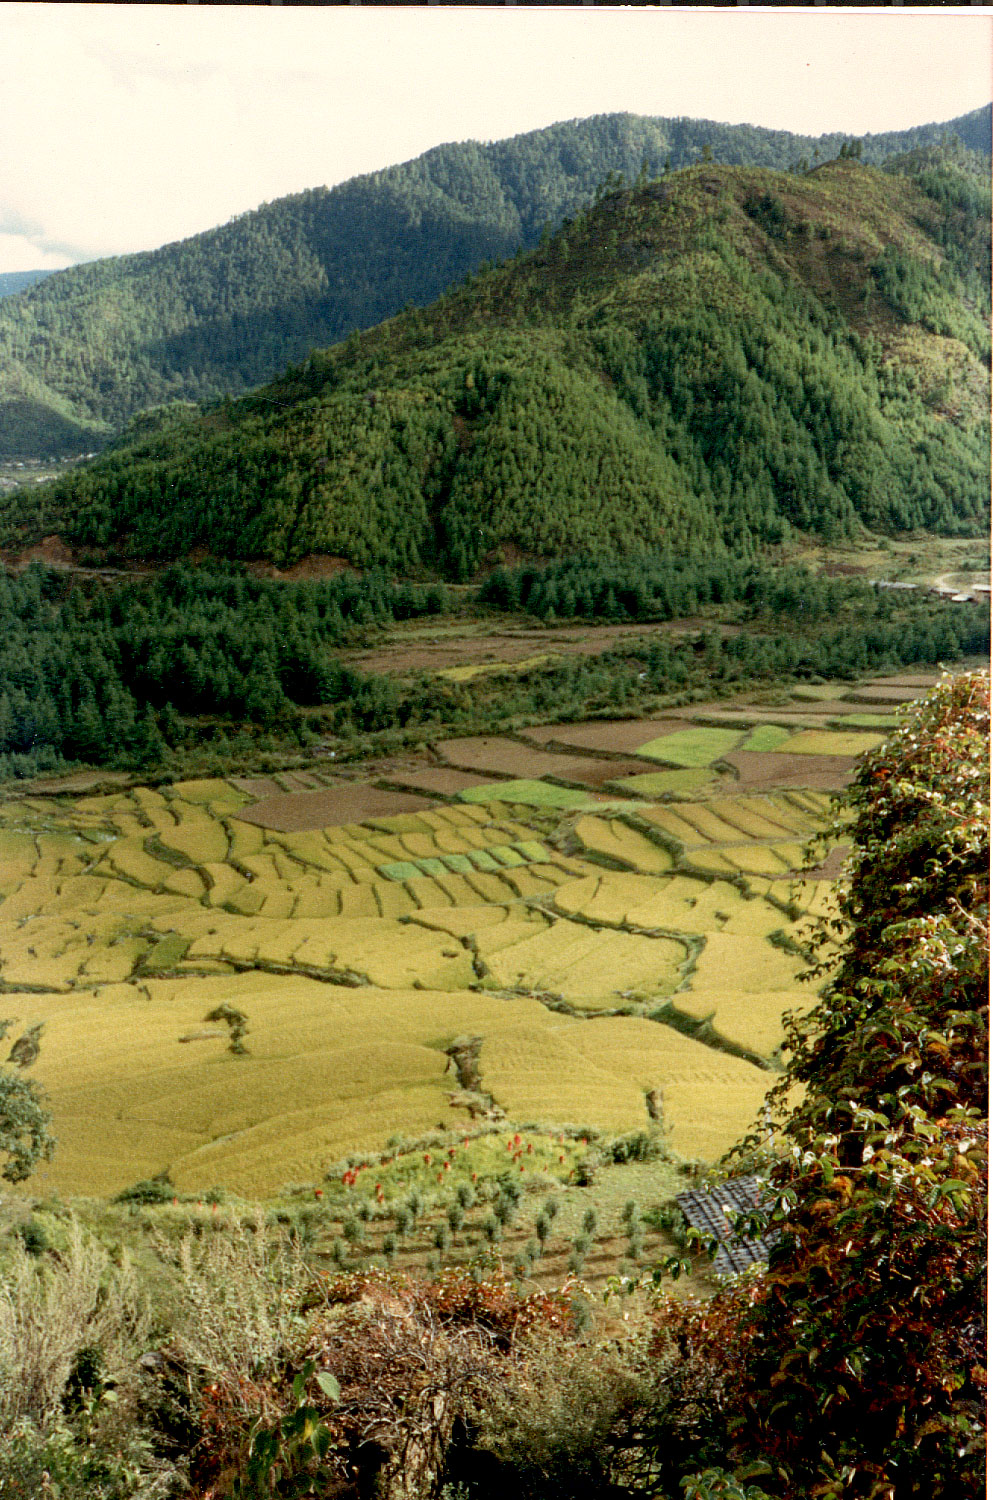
x=314 y=567
x=292 y=812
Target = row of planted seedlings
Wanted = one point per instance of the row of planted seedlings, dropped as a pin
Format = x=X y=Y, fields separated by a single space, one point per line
x=525 y=1199
x=541 y=1204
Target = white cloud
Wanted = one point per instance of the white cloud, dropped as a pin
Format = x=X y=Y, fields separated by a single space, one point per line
x=124 y=127
x=20 y=253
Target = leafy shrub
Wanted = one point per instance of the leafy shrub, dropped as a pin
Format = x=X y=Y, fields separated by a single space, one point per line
x=33 y=1236
x=147 y=1190
x=862 y=1359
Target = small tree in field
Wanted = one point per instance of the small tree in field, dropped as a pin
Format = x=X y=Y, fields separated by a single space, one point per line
x=24 y=1114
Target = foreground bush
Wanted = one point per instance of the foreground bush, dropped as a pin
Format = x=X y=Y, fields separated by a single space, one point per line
x=862 y=1360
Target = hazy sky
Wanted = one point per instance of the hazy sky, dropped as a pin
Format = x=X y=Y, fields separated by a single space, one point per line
x=125 y=127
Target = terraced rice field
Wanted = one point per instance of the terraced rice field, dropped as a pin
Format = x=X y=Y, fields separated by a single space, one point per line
x=600 y=950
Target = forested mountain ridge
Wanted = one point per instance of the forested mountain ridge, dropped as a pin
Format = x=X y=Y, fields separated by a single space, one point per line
x=709 y=359
x=84 y=350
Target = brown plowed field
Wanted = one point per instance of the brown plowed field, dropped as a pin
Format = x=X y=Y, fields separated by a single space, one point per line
x=922 y=679
x=257 y=786
x=615 y=736
x=506 y=757
x=443 y=780
x=291 y=812
x=758 y=772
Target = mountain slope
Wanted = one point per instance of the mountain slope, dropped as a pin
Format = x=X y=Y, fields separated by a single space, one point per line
x=217 y=313
x=712 y=358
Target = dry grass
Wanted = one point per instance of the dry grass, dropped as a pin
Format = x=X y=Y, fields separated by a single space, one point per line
x=52 y=1308
x=598 y=1071
x=749 y=964
x=745 y=1018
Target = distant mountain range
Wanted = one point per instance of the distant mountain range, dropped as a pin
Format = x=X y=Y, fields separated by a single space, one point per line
x=19 y=281
x=716 y=358
x=86 y=348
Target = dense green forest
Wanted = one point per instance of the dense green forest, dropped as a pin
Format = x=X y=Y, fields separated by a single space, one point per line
x=213 y=663
x=715 y=359
x=88 y=347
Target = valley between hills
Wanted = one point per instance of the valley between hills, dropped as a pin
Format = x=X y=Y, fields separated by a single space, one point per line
x=469 y=799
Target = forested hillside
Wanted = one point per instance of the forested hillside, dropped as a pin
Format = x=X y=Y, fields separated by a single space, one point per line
x=220 y=312
x=716 y=358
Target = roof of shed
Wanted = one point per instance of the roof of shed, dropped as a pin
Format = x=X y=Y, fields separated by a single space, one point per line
x=713 y=1210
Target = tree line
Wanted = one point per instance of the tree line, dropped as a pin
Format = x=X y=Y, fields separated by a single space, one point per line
x=220 y=665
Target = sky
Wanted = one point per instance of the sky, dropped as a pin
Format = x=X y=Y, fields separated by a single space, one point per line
x=126 y=127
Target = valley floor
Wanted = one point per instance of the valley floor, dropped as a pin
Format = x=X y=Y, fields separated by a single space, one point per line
x=496 y=958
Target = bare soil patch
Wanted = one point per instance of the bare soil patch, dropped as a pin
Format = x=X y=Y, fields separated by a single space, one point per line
x=594 y=772
x=831 y=867
x=612 y=736
x=257 y=786
x=503 y=757
x=300 y=781
x=506 y=647
x=51 y=550
x=315 y=566
x=761 y=772
x=291 y=812
x=76 y=781
x=444 y=780
x=921 y=680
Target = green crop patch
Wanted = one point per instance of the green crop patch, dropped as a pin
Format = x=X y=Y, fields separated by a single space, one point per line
x=527 y=793
x=400 y=870
x=765 y=737
x=506 y=857
x=691 y=747
x=833 y=742
x=664 y=783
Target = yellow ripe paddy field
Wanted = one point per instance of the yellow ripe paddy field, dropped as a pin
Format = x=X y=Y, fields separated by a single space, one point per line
x=601 y=954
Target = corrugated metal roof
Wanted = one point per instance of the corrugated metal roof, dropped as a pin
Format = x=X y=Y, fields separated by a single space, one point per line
x=713 y=1211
